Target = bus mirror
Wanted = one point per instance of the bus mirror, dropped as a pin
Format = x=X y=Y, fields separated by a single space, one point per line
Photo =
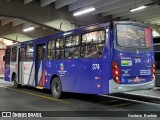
x=4 y=58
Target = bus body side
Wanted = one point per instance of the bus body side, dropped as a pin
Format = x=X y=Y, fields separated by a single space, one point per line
x=117 y=69
x=83 y=75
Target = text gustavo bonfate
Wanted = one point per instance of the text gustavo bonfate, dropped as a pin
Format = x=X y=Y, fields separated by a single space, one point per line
x=143 y=115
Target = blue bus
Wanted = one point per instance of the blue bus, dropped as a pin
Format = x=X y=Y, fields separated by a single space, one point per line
x=103 y=58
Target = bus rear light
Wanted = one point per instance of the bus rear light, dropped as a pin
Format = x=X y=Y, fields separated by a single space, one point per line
x=115 y=66
x=153 y=72
x=153 y=65
x=118 y=81
x=115 y=72
x=117 y=78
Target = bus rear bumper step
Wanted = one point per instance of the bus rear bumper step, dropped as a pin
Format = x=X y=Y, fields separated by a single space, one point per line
x=39 y=87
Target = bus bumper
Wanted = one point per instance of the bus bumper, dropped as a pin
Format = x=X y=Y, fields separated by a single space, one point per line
x=115 y=88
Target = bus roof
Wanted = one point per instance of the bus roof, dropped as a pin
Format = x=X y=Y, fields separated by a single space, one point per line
x=63 y=34
x=75 y=31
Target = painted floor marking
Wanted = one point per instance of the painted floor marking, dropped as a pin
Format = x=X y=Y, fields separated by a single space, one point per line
x=120 y=105
x=132 y=100
x=41 y=96
x=110 y=101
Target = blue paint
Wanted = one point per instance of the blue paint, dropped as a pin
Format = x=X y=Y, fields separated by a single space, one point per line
x=78 y=75
x=7 y=74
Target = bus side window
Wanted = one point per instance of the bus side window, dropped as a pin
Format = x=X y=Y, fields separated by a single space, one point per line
x=29 y=52
x=71 y=47
x=51 y=51
x=59 y=54
x=41 y=51
x=93 y=44
x=59 y=48
x=7 y=57
x=14 y=54
x=75 y=52
x=71 y=53
x=40 y=57
x=22 y=54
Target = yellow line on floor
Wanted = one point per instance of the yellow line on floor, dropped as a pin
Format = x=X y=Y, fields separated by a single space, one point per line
x=41 y=96
x=119 y=105
x=110 y=101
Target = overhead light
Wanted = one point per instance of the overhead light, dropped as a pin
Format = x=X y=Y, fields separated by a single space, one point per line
x=84 y=11
x=138 y=8
x=28 y=29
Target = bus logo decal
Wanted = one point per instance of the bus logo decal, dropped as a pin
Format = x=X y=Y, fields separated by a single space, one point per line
x=62 y=72
x=61 y=66
x=95 y=66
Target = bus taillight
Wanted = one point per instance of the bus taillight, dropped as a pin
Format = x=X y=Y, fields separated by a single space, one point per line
x=153 y=72
x=115 y=72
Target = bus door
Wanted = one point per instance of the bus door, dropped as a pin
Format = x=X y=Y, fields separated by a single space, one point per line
x=6 y=58
x=68 y=67
x=21 y=57
x=40 y=65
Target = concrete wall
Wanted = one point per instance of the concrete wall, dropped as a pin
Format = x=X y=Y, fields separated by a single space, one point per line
x=16 y=33
x=59 y=20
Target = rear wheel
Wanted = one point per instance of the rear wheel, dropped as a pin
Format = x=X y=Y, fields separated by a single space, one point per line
x=15 y=83
x=56 y=88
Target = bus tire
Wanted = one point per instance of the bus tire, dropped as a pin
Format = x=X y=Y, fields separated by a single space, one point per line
x=15 y=83
x=56 y=88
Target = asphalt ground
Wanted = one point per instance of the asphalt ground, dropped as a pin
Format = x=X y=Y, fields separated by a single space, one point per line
x=31 y=99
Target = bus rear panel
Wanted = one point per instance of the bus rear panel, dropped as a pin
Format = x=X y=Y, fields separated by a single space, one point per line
x=133 y=60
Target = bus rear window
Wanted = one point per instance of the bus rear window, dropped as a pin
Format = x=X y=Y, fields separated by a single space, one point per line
x=133 y=36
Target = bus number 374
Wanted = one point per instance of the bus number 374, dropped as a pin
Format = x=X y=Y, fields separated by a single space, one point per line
x=95 y=67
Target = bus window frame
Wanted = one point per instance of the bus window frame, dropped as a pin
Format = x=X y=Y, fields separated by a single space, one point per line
x=61 y=37
x=72 y=36
x=26 y=59
x=7 y=62
x=100 y=29
x=12 y=54
x=74 y=46
x=23 y=56
x=53 y=40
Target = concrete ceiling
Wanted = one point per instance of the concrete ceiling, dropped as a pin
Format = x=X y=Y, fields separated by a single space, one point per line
x=114 y=8
x=57 y=15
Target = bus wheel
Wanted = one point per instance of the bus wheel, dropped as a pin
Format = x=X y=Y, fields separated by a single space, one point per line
x=56 y=88
x=15 y=84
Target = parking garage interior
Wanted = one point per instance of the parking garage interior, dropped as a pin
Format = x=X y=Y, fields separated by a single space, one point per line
x=49 y=17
